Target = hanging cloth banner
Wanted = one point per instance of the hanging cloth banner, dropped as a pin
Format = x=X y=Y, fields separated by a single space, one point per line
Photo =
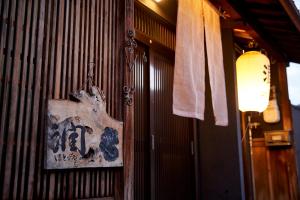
x=194 y=18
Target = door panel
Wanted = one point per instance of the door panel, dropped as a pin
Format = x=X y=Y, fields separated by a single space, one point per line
x=141 y=126
x=172 y=161
x=163 y=160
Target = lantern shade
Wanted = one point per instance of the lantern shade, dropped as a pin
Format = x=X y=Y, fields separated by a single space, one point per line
x=253 y=81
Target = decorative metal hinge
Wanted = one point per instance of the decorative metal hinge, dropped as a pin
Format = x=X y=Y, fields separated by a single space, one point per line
x=129 y=49
x=128 y=92
x=130 y=57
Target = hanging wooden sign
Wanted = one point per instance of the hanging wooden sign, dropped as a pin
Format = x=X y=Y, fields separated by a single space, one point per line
x=81 y=134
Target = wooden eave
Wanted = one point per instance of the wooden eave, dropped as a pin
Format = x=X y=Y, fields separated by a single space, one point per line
x=274 y=24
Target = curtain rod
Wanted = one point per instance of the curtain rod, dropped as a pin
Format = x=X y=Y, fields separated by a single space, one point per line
x=220 y=11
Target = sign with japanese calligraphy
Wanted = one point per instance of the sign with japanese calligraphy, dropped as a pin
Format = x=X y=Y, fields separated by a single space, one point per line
x=81 y=134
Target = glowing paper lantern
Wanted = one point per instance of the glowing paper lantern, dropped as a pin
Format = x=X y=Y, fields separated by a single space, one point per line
x=253 y=81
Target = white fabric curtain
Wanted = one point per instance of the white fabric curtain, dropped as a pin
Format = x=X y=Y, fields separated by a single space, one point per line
x=194 y=18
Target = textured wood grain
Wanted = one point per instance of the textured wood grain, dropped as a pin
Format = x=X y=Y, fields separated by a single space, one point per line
x=82 y=134
x=45 y=49
x=128 y=111
x=274 y=172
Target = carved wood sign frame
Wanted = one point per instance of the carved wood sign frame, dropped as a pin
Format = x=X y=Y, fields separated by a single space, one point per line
x=81 y=134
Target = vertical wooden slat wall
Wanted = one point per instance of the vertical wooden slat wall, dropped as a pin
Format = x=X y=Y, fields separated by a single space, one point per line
x=45 y=51
x=154 y=27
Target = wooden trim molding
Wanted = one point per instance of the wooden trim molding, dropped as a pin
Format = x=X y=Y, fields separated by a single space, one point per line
x=154 y=44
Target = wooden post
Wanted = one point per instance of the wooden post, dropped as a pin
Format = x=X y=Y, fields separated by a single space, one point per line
x=128 y=107
x=284 y=97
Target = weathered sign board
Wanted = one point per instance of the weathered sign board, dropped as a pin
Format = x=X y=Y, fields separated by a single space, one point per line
x=81 y=134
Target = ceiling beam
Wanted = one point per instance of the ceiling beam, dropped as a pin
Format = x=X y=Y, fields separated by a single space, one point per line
x=237 y=7
x=292 y=11
x=258 y=5
x=265 y=12
x=281 y=31
x=285 y=24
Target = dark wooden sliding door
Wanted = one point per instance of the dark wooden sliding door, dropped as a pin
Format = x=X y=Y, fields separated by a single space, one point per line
x=163 y=155
x=141 y=126
x=172 y=159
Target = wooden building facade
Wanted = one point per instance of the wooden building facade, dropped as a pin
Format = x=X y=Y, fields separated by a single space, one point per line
x=46 y=50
